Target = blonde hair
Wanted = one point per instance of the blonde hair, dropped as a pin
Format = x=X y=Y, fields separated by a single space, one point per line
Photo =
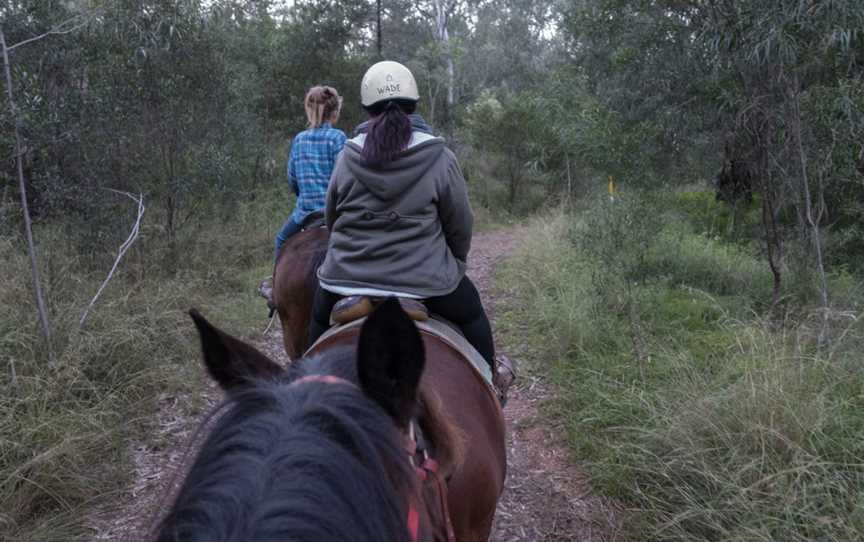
x=322 y=104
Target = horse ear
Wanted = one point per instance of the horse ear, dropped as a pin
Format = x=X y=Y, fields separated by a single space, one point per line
x=231 y=362
x=390 y=359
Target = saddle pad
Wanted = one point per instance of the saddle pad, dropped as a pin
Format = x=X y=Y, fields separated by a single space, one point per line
x=461 y=344
x=441 y=330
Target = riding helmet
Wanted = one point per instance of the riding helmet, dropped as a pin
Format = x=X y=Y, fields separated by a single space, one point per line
x=387 y=80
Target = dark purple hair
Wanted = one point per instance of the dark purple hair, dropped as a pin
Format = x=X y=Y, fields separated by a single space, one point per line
x=389 y=131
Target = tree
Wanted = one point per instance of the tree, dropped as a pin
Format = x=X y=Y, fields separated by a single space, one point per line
x=741 y=78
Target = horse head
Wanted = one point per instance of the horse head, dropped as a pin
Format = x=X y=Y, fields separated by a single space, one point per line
x=316 y=451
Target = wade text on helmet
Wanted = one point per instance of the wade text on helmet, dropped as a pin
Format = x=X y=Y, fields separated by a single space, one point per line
x=389 y=89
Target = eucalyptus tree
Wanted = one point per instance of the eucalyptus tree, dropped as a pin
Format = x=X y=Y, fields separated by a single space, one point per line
x=798 y=69
x=775 y=85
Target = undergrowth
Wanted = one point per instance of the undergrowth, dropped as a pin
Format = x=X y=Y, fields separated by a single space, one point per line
x=67 y=426
x=708 y=416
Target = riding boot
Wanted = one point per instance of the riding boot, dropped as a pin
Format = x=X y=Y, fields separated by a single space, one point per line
x=503 y=376
x=265 y=290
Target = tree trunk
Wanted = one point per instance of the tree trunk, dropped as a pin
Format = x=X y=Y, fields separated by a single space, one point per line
x=513 y=173
x=442 y=15
x=811 y=222
x=22 y=186
x=772 y=244
x=378 y=28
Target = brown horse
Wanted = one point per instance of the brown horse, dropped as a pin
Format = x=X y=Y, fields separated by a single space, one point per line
x=318 y=451
x=458 y=385
x=294 y=284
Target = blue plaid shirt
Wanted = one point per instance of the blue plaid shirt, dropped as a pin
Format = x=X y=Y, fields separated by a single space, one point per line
x=310 y=163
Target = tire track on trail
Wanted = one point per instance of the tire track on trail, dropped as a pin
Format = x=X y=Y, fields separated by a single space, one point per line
x=546 y=498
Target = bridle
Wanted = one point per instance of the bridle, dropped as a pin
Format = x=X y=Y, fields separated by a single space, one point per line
x=418 y=455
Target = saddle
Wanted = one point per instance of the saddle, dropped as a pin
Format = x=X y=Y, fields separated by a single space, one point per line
x=313 y=220
x=352 y=311
x=355 y=307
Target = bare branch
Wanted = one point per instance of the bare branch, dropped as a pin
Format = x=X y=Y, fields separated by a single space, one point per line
x=133 y=235
x=428 y=13
x=58 y=30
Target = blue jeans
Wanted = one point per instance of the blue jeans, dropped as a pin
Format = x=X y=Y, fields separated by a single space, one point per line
x=288 y=229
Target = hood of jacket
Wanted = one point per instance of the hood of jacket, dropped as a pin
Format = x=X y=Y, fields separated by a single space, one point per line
x=389 y=181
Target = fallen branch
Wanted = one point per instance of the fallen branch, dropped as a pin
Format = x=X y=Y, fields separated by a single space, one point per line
x=269 y=324
x=133 y=235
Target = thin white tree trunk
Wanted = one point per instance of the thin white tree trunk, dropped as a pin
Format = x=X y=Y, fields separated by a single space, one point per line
x=22 y=186
x=812 y=223
x=378 y=27
x=442 y=15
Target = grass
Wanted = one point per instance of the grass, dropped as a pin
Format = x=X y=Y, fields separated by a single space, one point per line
x=66 y=428
x=707 y=420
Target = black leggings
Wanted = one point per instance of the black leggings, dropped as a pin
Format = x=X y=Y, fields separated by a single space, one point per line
x=462 y=306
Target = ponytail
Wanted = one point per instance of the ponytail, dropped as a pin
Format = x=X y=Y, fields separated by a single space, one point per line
x=389 y=131
x=322 y=104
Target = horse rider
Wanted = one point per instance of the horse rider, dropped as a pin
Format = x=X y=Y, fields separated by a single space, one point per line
x=310 y=164
x=398 y=213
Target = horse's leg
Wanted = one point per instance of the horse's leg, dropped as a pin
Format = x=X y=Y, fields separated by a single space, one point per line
x=291 y=332
x=294 y=314
x=294 y=303
x=483 y=530
x=472 y=503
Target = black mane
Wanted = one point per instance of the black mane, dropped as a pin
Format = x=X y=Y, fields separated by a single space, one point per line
x=310 y=462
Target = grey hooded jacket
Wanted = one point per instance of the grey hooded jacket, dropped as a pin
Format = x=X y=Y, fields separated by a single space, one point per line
x=403 y=227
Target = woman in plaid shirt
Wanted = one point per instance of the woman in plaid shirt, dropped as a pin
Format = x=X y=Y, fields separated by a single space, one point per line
x=313 y=154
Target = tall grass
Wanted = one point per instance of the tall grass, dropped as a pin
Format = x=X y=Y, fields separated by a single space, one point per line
x=706 y=419
x=66 y=427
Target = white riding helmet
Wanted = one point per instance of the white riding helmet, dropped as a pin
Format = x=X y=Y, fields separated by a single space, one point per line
x=387 y=80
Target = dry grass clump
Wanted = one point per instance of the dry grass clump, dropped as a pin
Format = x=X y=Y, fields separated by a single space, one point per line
x=67 y=428
x=767 y=450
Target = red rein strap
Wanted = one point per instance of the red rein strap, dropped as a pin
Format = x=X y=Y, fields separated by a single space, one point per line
x=428 y=467
x=413 y=520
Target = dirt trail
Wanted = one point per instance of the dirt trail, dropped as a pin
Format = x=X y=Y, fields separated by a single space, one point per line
x=545 y=499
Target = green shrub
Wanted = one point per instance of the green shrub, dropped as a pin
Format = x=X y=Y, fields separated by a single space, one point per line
x=701 y=211
x=707 y=421
x=66 y=428
x=680 y=257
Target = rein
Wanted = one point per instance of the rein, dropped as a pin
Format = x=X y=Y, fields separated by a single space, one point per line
x=424 y=466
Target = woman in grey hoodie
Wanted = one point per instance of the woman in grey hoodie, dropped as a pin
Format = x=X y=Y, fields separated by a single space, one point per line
x=398 y=213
